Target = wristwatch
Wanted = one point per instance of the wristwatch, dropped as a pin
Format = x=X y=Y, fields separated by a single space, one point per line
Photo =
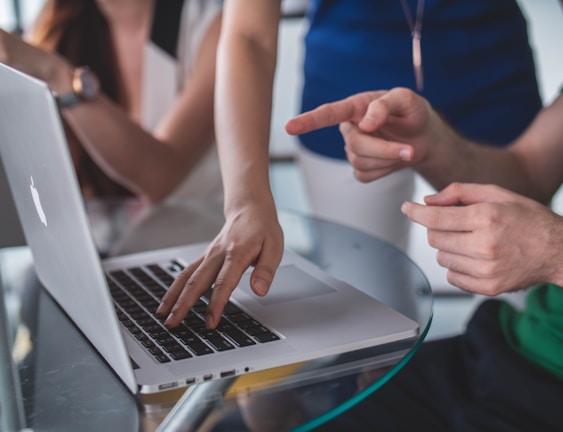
x=85 y=87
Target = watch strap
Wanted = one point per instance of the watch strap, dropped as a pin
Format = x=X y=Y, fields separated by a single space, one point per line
x=68 y=100
x=85 y=86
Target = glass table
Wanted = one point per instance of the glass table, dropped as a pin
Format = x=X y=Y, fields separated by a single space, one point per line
x=57 y=381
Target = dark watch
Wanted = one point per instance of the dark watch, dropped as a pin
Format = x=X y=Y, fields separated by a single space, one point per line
x=85 y=87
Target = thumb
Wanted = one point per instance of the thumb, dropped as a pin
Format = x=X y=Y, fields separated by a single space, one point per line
x=466 y=194
x=264 y=271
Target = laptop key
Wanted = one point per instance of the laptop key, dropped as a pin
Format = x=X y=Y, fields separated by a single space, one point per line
x=238 y=317
x=199 y=348
x=266 y=337
x=220 y=344
x=154 y=350
x=216 y=340
x=162 y=358
x=180 y=355
x=192 y=320
x=233 y=333
x=172 y=347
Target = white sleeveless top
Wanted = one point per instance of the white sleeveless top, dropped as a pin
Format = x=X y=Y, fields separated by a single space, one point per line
x=177 y=31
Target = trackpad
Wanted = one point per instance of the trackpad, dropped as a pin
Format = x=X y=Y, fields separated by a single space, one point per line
x=290 y=284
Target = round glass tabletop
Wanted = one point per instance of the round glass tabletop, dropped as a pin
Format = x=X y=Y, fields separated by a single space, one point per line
x=65 y=384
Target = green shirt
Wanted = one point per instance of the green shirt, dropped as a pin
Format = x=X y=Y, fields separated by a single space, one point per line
x=537 y=331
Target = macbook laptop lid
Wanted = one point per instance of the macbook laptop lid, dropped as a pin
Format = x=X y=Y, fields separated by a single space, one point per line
x=307 y=314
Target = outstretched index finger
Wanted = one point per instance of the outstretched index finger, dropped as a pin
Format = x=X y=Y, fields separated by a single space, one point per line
x=352 y=109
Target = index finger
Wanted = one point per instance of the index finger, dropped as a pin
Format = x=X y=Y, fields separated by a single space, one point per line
x=352 y=108
x=188 y=287
x=267 y=261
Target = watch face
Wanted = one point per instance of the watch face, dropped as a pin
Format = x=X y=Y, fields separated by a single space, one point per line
x=85 y=83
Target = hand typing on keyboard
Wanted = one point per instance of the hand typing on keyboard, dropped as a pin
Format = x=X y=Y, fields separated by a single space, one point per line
x=136 y=293
x=251 y=237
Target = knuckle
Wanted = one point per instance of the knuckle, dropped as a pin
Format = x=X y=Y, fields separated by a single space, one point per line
x=237 y=256
x=441 y=259
x=352 y=157
x=332 y=115
x=433 y=219
x=454 y=188
x=432 y=238
x=454 y=279
x=213 y=250
x=179 y=309
x=486 y=269
x=362 y=164
x=361 y=176
x=489 y=252
x=491 y=288
x=219 y=285
x=491 y=215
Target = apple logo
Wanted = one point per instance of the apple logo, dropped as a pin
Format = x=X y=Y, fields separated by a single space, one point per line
x=37 y=203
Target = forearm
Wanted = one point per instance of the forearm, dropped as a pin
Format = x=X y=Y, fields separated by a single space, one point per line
x=146 y=165
x=245 y=73
x=453 y=158
x=530 y=165
x=46 y=66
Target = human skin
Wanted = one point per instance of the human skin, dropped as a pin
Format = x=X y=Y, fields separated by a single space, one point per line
x=490 y=239
x=151 y=165
x=476 y=227
x=252 y=235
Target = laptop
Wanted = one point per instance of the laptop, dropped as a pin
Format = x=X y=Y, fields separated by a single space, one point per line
x=306 y=315
x=11 y=233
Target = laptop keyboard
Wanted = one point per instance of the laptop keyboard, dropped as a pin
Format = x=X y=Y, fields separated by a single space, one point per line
x=136 y=293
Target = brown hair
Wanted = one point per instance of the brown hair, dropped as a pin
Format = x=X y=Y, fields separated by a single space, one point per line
x=77 y=30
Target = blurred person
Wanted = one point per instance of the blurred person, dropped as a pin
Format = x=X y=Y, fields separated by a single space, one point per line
x=135 y=82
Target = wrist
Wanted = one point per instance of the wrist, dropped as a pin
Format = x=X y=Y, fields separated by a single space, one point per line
x=445 y=155
x=556 y=250
x=248 y=187
x=249 y=199
x=84 y=87
x=58 y=75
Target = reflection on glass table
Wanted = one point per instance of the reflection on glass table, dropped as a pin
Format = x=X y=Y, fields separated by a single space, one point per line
x=66 y=385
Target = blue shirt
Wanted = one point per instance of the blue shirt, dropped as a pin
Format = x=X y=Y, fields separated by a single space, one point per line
x=477 y=62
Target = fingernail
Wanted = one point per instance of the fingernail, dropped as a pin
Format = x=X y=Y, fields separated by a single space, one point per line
x=405 y=154
x=169 y=319
x=160 y=308
x=260 y=287
x=209 y=321
x=405 y=208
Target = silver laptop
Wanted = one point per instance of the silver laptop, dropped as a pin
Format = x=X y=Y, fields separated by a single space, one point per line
x=307 y=314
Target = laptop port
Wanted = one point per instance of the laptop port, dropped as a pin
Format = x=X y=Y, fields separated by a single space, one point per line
x=168 y=386
x=190 y=381
x=227 y=373
x=207 y=377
